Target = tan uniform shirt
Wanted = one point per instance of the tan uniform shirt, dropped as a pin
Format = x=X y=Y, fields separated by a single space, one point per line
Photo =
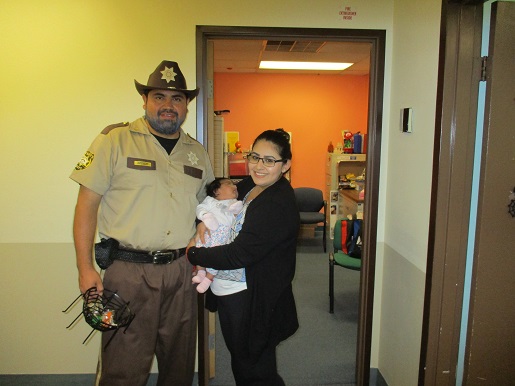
x=148 y=197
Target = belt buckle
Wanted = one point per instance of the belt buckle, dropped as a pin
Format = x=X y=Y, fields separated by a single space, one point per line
x=162 y=257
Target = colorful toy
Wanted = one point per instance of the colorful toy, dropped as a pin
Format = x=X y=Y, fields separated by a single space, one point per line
x=348 y=146
x=108 y=317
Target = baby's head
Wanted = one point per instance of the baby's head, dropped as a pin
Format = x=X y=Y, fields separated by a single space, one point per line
x=222 y=189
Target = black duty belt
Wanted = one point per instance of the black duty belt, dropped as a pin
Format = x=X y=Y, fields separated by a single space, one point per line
x=165 y=256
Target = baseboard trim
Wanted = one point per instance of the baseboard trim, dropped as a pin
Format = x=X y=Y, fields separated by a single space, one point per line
x=60 y=379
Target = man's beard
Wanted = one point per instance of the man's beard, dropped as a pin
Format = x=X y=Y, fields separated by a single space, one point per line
x=166 y=127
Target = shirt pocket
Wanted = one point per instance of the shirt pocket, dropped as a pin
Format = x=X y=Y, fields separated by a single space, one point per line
x=192 y=178
x=138 y=173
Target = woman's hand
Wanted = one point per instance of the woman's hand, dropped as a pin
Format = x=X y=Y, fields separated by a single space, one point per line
x=190 y=244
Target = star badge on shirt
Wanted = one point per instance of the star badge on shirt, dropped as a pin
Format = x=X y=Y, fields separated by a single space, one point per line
x=168 y=74
x=192 y=157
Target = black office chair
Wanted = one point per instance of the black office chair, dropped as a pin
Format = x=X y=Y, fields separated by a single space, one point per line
x=310 y=201
x=346 y=251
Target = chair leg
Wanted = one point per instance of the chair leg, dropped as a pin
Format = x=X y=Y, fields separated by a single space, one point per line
x=324 y=237
x=331 y=286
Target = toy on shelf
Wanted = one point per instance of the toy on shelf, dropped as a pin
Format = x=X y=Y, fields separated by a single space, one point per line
x=353 y=143
x=347 y=142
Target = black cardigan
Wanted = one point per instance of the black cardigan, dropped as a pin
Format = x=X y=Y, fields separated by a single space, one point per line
x=266 y=248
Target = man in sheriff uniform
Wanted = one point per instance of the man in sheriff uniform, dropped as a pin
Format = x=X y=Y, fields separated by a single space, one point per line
x=140 y=183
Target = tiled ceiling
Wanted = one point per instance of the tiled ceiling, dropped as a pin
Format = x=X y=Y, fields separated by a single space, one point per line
x=240 y=56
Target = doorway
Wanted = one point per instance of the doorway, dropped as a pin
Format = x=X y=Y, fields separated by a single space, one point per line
x=376 y=39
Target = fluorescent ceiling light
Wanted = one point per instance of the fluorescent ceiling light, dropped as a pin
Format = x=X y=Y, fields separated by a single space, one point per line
x=327 y=66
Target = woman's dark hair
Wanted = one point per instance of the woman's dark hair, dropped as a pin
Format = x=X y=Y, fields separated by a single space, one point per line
x=212 y=187
x=281 y=140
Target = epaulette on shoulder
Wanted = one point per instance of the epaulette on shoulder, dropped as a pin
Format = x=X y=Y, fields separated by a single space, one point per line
x=113 y=126
x=190 y=137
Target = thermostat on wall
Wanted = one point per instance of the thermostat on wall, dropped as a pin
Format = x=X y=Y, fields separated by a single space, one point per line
x=406 y=118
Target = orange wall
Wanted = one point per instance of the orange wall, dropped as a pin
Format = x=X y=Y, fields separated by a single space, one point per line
x=314 y=108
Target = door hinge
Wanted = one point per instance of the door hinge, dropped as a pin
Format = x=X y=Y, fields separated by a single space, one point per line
x=484 y=60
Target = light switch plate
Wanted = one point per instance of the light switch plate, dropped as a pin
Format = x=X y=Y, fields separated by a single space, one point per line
x=406 y=120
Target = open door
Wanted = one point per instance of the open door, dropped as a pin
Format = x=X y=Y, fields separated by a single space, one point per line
x=490 y=338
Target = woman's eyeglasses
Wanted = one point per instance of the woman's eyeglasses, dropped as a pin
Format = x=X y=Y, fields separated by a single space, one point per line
x=270 y=162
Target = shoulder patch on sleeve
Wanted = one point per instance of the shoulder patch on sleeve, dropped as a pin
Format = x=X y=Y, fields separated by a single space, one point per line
x=113 y=126
x=85 y=161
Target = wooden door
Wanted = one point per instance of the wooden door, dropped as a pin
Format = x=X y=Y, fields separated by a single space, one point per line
x=491 y=329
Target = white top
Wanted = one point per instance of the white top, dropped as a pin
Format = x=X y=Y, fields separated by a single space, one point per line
x=220 y=208
x=222 y=287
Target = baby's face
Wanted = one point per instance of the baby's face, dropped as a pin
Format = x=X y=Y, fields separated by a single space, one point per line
x=227 y=190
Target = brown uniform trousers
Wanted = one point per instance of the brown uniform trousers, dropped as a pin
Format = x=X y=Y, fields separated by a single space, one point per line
x=164 y=302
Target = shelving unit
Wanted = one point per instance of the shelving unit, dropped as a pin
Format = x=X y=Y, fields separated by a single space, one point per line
x=343 y=202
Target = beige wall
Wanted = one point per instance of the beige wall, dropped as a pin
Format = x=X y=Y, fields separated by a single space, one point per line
x=69 y=72
x=406 y=223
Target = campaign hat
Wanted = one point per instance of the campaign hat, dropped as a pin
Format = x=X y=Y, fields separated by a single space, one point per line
x=166 y=76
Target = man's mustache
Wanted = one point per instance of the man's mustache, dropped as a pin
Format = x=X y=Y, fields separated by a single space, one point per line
x=168 y=111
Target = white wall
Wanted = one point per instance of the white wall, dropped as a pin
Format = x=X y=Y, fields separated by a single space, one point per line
x=69 y=72
x=414 y=76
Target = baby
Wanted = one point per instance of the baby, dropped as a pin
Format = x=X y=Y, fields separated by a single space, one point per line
x=217 y=212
